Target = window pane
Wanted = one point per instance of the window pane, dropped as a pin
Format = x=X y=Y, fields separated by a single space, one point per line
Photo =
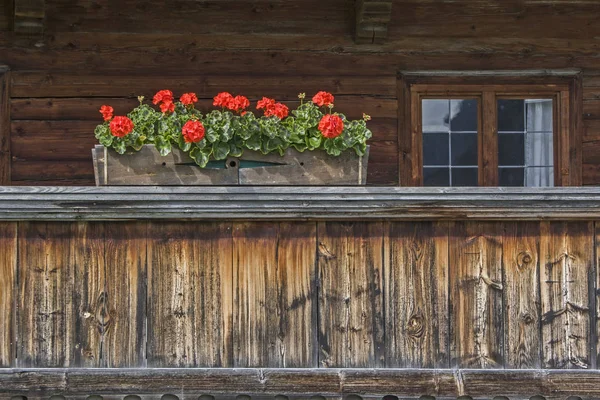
x=511 y=115
x=464 y=148
x=464 y=176
x=436 y=115
x=436 y=176
x=511 y=176
x=511 y=149
x=529 y=143
x=464 y=115
x=435 y=148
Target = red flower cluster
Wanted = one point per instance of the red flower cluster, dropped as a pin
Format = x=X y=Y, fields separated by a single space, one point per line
x=188 y=99
x=272 y=108
x=107 y=112
x=165 y=98
x=323 y=99
x=331 y=126
x=226 y=100
x=121 y=126
x=193 y=131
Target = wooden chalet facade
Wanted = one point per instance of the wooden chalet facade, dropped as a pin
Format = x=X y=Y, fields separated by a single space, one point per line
x=387 y=291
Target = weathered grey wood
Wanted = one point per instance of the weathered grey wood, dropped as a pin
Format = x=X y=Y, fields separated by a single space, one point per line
x=8 y=281
x=566 y=256
x=372 y=19
x=148 y=167
x=404 y=383
x=416 y=295
x=294 y=203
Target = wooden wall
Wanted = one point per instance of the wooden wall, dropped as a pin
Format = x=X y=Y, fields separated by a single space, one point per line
x=97 y=52
x=299 y=294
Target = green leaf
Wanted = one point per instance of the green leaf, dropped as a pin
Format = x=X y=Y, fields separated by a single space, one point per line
x=220 y=150
x=211 y=135
x=162 y=145
x=138 y=144
x=200 y=157
x=120 y=147
x=253 y=143
x=360 y=149
x=314 y=142
x=106 y=141
x=234 y=150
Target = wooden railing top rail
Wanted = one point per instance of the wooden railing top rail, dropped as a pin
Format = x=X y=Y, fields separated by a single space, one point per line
x=297 y=203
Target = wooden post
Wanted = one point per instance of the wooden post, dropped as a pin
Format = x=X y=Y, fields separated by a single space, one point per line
x=4 y=126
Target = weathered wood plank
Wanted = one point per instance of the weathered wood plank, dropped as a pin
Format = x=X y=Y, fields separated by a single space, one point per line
x=275 y=295
x=190 y=295
x=5 y=155
x=566 y=257
x=476 y=326
x=8 y=298
x=416 y=295
x=350 y=260
x=522 y=321
x=124 y=298
x=46 y=328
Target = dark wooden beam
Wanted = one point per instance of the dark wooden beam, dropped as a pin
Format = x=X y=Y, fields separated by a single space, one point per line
x=372 y=19
x=29 y=17
x=5 y=157
x=369 y=383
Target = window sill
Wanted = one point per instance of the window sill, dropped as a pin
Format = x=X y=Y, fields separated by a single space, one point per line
x=220 y=203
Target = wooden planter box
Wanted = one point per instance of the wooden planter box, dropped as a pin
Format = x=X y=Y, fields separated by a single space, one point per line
x=147 y=168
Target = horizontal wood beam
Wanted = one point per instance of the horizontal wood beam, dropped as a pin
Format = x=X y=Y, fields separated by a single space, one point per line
x=297 y=203
x=372 y=19
x=29 y=17
x=404 y=383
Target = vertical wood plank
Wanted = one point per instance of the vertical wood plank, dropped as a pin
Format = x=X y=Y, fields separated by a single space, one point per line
x=416 y=295
x=476 y=294
x=489 y=141
x=350 y=299
x=566 y=252
x=576 y=129
x=120 y=308
x=275 y=307
x=189 y=295
x=405 y=141
x=522 y=295
x=8 y=274
x=45 y=316
x=5 y=157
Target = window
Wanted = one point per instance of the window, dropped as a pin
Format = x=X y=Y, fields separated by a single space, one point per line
x=469 y=133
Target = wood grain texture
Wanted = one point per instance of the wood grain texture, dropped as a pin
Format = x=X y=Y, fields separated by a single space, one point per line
x=350 y=259
x=416 y=295
x=566 y=259
x=46 y=328
x=275 y=295
x=8 y=293
x=190 y=295
x=522 y=321
x=476 y=309
x=5 y=155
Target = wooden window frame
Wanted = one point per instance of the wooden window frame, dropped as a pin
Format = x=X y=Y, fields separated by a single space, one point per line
x=563 y=87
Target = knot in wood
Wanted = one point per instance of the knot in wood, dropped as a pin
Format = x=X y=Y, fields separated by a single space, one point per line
x=524 y=259
x=415 y=326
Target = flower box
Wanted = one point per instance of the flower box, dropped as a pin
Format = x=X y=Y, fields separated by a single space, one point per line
x=147 y=167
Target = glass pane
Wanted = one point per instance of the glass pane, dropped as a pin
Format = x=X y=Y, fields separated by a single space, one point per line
x=464 y=148
x=464 y=176
x=539 y=149
x=511 y=149
x=464 y=115
x=511 y=176
x=435 y=148
x=539 y=115
x=436 y=176
x=436 y=115
x=539 y=176
x=511 y=115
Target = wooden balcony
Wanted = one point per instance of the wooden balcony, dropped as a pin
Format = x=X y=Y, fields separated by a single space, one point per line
x=299 y=292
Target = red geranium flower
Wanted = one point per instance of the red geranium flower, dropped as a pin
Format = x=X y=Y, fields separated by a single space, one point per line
x=107 y=112
x=193 y=131
x=265 y=103
x=279 y=110
x=121 y=126
x=167 y=106
x=239 y=103
x=188 y=99
x=163 y=96
x=323 y=99
x=223 y=99
x=331 y=126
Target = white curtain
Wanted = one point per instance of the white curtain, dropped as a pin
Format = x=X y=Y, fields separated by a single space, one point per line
x=539 y=155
